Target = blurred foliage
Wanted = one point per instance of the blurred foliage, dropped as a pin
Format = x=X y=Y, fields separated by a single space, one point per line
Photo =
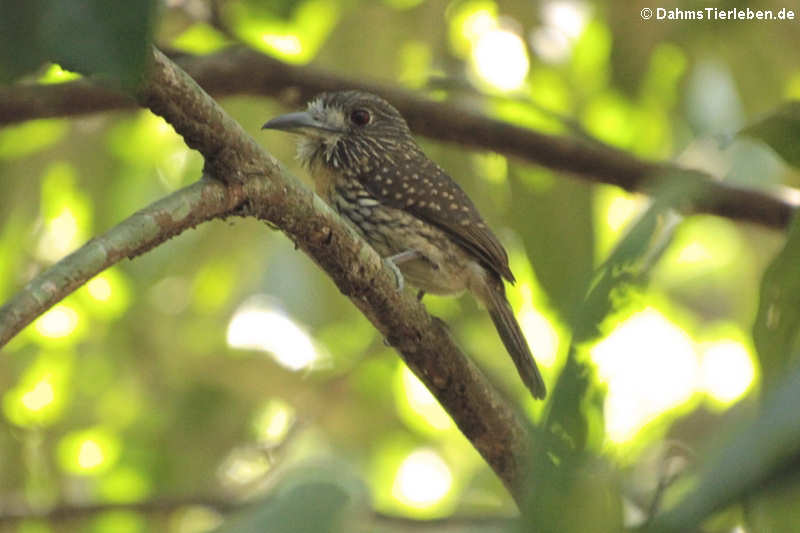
x=81 y=35
x=224 y=366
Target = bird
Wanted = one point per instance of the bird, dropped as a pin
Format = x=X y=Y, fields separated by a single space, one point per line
x=367 y=166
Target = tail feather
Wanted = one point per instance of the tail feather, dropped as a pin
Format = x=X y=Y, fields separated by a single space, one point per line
x=513 y=339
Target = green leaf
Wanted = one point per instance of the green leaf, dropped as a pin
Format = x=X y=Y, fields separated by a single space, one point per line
x=775 y=332
x=628 y=264
x=556 y=230
x=780 y=130
x=20 y=50
x=85 y=36
x=758 y=453
x=88 y=37
x=312 y=500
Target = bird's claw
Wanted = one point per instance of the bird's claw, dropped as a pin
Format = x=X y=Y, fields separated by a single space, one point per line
x=398 y=276
x=396 y=259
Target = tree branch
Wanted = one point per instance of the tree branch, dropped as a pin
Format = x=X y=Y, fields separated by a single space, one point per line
x=141 y=232
x=243 y=71
x=256 y=185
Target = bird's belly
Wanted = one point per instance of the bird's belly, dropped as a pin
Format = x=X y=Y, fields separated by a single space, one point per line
x=444 y=268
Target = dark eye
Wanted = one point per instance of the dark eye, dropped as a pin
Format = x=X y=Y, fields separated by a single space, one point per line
x=360 y=117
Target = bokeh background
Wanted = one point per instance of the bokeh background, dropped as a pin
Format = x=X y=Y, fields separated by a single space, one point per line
x=224 y=363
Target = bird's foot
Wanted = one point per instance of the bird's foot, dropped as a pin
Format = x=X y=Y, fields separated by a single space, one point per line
x=400 y=281
x=395 y=260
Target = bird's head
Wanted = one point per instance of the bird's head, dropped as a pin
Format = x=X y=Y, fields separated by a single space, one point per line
x=347 y=130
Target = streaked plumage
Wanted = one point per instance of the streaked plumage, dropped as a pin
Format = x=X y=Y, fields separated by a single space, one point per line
x=366 y=165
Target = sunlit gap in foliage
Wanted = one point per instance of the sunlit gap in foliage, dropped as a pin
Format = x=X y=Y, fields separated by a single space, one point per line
x=614 y=210
x=90 y=451
x=59 y=322
x=243 y=466
x=99 y=288
x=651 y=365
x=286 y=44
x=498 y=55
x=422 y=480
x=38 y=397
x=273 y=421
x=539 y=329
x=727 y=370
x=189 y=519
x=61 y=236
x=259 y=325
x=562 y=23
x=417 y=399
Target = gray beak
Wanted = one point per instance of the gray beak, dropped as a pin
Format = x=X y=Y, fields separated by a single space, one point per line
x=296 y=122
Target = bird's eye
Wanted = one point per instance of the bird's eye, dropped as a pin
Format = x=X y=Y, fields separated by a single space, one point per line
x=360 y=117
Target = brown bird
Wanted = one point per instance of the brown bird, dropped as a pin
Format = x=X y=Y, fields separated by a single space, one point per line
x=367 y=166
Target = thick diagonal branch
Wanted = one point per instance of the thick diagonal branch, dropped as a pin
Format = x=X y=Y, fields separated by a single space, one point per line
x=250 y=182
x=242 y=71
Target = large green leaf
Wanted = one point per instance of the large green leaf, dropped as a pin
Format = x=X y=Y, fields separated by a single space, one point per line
x=781 y=131
x=319 y=498
x=574 y=422
x=87 y=36
x=760 y=452
x=556 y=228
x=778 y=321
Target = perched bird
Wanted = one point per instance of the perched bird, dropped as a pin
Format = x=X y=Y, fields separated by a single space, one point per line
x=367 y=166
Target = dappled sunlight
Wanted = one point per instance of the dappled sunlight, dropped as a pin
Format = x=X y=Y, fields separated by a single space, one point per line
x=99 y=288
x=650 y=365
x=421 y=402
x=244 y=465
x=727 y=370
x=88 y=452
x=38 y=397
x=61 y=236
x=289 y=45
x=498 y=56
x=615 y=210
x=500 y=59
x=295 y=38
x=539 y=329
x=194 y=519
x=90 y=455
x=422 y=480
x=273 y=421
x=59 y=322
x=257 y=325
x=562 y=23
x=705 y=246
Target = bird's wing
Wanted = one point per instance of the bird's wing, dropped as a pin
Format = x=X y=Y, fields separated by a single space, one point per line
x=421 y=188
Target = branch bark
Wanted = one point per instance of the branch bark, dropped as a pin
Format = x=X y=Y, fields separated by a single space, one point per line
x=242 y=71
x=250 y=182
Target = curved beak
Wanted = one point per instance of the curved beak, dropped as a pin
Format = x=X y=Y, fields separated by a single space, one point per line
x=296 y=123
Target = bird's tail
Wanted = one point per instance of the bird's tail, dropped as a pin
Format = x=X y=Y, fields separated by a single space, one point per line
x=512 y=337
